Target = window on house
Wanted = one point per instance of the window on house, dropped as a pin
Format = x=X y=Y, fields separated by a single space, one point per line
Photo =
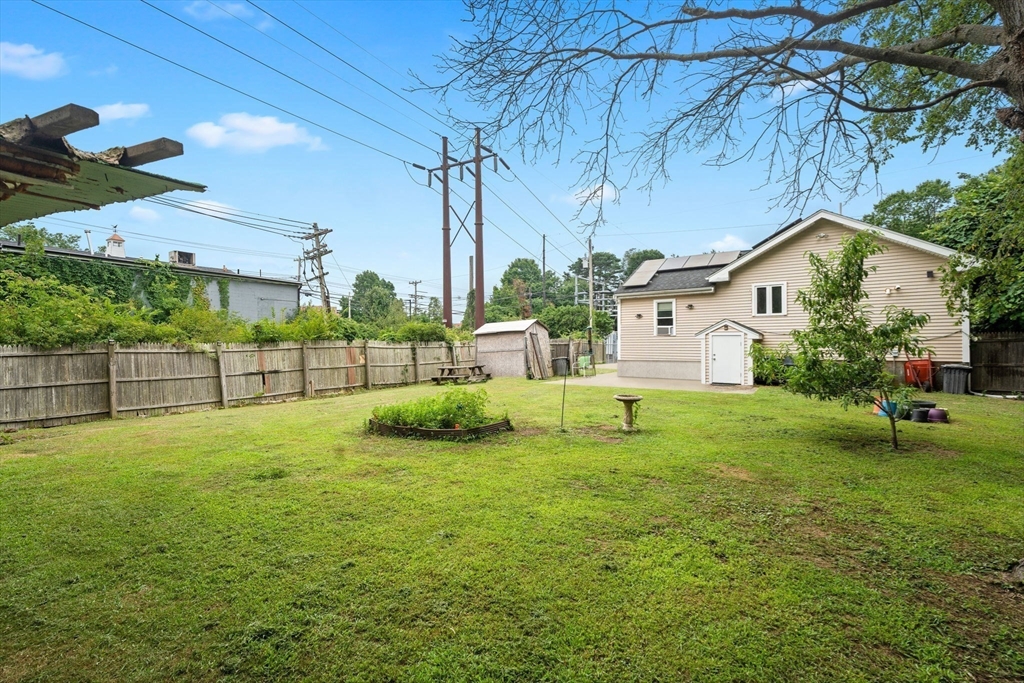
x=665 y=317
x=770 y=299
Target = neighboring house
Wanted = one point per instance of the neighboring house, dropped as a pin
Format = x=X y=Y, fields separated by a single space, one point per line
x=696 y=317
x=514 y=349
x=251 y=297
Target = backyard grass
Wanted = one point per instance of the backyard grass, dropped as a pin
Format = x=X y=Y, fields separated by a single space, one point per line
x=759 y=537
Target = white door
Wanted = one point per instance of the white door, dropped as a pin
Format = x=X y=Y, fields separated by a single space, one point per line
x=726 y=359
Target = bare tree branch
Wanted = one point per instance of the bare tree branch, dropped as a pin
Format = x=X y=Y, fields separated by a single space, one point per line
x=827 y=87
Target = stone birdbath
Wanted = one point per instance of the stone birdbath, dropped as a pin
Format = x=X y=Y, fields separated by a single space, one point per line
x=627 y=401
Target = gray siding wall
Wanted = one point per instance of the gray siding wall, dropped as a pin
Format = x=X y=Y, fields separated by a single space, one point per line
x=256 y=299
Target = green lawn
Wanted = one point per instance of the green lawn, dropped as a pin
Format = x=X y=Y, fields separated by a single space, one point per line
x=735 y=538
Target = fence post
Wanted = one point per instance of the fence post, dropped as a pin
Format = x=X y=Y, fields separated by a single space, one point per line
x=415 y=364
x=307 y=388
x=112 y=377
x=223 y=377
x=369 y=376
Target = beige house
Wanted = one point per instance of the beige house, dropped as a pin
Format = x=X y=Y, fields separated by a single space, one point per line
x=695 y=317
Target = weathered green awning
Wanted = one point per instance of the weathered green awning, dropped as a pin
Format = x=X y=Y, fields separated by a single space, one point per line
x=42 y=174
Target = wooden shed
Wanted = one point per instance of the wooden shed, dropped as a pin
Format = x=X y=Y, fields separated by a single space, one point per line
x=514 y=349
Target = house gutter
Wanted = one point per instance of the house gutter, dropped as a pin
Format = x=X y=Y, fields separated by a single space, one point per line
x=666 y=292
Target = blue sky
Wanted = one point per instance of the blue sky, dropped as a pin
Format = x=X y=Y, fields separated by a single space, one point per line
x=259 y=159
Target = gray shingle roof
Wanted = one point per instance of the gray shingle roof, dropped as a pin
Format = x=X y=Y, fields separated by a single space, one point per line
x=673 y=280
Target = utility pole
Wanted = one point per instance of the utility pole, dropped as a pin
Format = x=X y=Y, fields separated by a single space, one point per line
x=479 y=173
x=415 y=296
x=544 y=270
x=349 y=306
x=316 y=255
x=590 y=261
x=88 y=238
x=448 y=163
x=446 y=231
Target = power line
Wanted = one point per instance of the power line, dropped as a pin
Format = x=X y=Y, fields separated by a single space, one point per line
x=262 y=228
x=322 y=21
x=530 y=225
x=174 y=241
x=225 y=207
x=222 y=84
x=284 y=225
x=541 y=202
x=317 y=65
x=670 y=232
x=404 y=99
x=282 y=73
x=346 y=63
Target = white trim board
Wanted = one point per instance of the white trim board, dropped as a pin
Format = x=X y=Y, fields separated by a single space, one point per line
x=749 y=330
x=899 y=238
x=647 y=294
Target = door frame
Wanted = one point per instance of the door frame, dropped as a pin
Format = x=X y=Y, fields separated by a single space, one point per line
x=711 y=370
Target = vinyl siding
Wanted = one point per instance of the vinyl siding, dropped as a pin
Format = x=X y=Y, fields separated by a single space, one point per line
x=787 y=263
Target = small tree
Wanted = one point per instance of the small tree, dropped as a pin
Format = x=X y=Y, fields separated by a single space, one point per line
x=841 y=355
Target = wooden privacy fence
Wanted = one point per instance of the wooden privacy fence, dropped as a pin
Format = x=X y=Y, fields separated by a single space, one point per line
x=571 y=348
x=49 y=388
x=997 y=362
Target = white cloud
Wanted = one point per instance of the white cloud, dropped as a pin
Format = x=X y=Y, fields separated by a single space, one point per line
x=592 y=195
x=247 y=133
x=106 y=71
x=730 y=243
x=141 y=213
x=113 y=112
x=28 y=61
x=205 y=11
x=210 y=204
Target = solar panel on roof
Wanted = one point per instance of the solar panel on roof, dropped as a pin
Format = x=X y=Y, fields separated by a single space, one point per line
x=674 y=263
x=723 y=258
x=699 y=261
x=642 y=275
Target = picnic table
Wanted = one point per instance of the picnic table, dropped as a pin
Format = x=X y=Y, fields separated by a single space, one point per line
x=454 y=374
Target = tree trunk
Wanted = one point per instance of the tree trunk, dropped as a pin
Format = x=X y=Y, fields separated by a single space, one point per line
x=1012 y=67
x=892 y=426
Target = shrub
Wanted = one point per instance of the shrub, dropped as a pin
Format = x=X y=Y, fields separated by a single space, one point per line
x=441 y=411
x=45 y=313
x=420 y=332
x=769 y=364
x=566 y=321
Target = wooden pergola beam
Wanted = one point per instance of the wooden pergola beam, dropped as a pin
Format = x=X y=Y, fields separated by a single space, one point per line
x=65 y=120
x=148 y=152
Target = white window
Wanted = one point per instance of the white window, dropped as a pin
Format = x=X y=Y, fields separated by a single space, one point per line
x=665 y=317
x=770 y=299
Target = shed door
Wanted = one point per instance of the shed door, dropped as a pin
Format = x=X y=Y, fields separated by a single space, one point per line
x=726 y=359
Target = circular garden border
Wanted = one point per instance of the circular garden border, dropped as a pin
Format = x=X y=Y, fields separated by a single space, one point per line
x=423 y=433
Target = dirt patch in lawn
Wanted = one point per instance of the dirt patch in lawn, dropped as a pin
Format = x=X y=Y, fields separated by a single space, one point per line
x=933 y=450
x=734 y=472
x=602 y=434
x=528 y=431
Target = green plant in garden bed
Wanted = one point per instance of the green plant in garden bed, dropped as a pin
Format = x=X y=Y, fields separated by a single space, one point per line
x=461 y=407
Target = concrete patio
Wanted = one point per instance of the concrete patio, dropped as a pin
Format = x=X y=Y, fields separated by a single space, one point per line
x=612 y=380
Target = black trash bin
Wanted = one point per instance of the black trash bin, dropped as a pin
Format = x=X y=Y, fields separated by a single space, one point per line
x=955 y=378
x=560 y=366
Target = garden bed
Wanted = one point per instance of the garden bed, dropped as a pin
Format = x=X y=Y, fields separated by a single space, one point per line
x=424 y=433
x=453 y=414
